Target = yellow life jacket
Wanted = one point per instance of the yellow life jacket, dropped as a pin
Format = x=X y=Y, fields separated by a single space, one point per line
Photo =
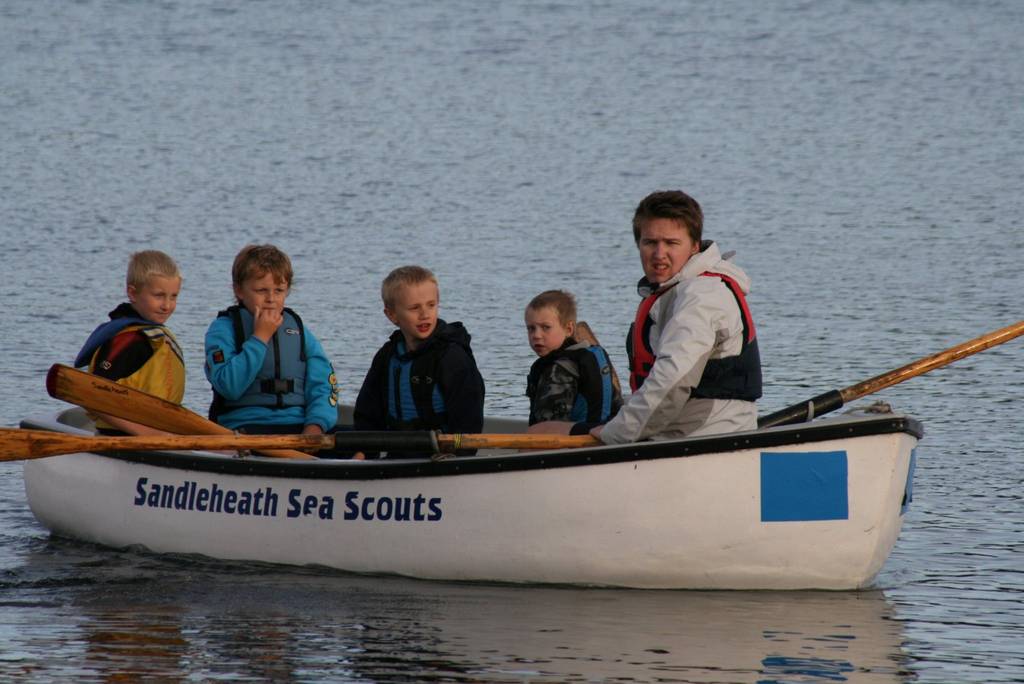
x=163 y=375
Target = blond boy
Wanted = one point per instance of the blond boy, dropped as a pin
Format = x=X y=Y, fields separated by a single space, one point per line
x=425 y=376
x=135 y=347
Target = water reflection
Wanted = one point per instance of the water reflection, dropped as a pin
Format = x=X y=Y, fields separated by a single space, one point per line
x=128 y=642
x=188 y=618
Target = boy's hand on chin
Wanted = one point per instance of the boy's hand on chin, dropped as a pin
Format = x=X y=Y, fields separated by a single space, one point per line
x=266 y=322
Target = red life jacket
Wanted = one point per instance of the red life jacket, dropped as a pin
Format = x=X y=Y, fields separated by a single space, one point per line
x=641 y=358
x=737 y=377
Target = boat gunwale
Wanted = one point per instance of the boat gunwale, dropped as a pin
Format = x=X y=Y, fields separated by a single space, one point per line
x=383 y=469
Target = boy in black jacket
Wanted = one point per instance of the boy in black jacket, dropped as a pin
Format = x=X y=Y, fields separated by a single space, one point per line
x=424 y=377
x=573 y=379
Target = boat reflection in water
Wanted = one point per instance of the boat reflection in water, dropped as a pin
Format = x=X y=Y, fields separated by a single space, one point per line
x=231 y=620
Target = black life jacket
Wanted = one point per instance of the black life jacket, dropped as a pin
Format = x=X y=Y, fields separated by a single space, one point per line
x=731 y=377
x=280 y=383
x=597 y=400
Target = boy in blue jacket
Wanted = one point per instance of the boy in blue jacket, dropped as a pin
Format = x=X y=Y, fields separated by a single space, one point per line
x=425 y=376
x=268 y=371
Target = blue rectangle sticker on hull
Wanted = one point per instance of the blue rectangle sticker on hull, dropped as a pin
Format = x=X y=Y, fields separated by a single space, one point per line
x=908 y=489
x=804 y=486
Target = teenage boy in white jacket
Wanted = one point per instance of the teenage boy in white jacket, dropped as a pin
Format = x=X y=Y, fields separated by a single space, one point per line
x=694 y=363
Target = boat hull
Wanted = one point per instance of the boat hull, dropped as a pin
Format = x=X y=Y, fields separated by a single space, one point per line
x=784 y=513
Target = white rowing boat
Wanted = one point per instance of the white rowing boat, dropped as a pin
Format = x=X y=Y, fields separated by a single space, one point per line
x=814 y=505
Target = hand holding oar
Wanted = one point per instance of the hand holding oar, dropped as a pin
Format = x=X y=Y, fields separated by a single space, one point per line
x=830 y=401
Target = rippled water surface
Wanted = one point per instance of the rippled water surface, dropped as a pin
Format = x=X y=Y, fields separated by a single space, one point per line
x=863 y=158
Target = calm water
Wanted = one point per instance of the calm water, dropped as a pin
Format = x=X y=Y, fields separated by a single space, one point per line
x=863 y=158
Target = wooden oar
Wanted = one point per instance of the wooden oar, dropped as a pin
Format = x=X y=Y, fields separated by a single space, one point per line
x=452 y=443
x=830 y=401
x=441 y=443
x=104 y=396
x=17 y=444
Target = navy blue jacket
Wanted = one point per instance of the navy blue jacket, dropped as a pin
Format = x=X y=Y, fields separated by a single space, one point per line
x=435 y=387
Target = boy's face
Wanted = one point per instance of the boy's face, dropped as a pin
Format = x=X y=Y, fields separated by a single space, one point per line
x=156 y=300
x=544 y=331
x=262 y=292
x=414 y=311
x=665 y=247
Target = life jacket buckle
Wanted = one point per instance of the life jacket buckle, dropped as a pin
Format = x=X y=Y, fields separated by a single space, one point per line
x=277 y=386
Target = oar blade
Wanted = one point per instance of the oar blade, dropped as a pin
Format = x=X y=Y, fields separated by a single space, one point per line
x=19 y=445
x=99 y=394
x=105 y=396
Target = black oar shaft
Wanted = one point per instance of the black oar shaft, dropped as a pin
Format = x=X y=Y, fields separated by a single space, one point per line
x=421 y=441
x=804 y=411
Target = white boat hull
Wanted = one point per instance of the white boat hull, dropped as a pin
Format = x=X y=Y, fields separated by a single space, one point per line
x=805 y=514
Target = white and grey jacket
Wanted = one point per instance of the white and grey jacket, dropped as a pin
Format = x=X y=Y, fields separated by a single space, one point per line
x=696 y=320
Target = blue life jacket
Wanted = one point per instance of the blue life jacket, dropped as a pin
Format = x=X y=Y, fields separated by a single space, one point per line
x=281 y=382
x=414 y=389
x=105 y=332
x=597 y=400
x=415 y=393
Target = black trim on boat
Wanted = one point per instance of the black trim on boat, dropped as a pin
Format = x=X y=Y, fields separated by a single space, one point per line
x=328 y=469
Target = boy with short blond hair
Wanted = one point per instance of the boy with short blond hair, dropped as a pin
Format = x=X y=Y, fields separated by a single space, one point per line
x=401 y=277
x=268 y=372
x=573 y=380
x=135 y=348
x=425 y=376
